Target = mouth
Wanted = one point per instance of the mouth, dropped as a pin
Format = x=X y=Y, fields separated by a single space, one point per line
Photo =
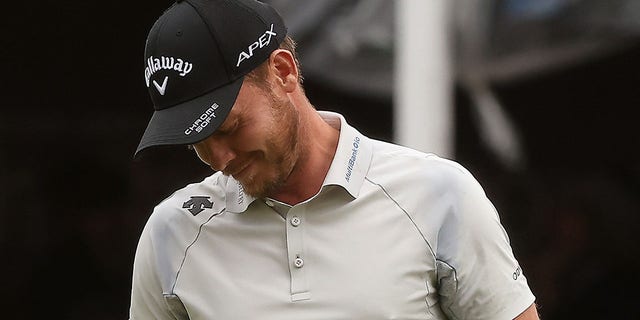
x=237 y=172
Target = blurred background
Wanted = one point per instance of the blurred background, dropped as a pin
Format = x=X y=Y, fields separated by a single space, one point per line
x=537 y=98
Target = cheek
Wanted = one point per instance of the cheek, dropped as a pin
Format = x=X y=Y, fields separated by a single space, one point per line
x=251 y=138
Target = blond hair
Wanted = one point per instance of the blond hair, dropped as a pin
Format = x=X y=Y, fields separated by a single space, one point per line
x=259 y=75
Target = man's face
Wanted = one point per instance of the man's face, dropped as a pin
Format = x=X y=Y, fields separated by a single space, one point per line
x=257 y=143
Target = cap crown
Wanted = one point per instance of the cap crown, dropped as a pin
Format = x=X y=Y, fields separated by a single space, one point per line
x=197 y=46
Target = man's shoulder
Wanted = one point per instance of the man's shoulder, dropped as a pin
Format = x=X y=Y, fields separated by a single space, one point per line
x=400 y=162
x=192 y=202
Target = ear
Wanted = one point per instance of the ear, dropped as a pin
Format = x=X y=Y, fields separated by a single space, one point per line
x=283 y=67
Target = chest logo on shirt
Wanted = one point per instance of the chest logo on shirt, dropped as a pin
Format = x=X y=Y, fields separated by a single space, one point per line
x=197 y=204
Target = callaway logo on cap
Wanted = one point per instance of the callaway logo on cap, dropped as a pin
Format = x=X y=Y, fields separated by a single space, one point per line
x=165 y=63
x=196 y=56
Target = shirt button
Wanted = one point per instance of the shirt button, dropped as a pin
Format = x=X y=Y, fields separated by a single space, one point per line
x=298 y=262
x=295 y=221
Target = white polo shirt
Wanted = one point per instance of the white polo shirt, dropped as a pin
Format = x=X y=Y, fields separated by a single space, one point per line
x=393 y=234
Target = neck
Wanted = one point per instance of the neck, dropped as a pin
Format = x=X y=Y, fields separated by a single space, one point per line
x=317 y=146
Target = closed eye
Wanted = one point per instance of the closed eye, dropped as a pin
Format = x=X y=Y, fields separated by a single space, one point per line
x=223 y=131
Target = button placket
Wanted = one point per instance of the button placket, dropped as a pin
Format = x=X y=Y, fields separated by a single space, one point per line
x=295 y=248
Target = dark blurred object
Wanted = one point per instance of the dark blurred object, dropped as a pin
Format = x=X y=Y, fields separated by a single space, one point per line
x=348 y=44
x=506 y=40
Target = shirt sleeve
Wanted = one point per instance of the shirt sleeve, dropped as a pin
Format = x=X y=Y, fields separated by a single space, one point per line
x=478 y=275
x=147 y=300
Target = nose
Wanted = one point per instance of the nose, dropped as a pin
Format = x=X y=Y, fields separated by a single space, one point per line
x=221 y=156
x=215 y=153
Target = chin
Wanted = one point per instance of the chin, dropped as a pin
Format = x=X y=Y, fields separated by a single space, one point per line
x=260 y=187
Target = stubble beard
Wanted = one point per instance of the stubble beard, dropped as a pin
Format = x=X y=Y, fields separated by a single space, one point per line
x=282 y=152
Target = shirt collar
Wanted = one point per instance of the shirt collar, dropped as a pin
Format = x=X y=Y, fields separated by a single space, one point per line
x=348 y=169
x=353 y=156
x=236 y=199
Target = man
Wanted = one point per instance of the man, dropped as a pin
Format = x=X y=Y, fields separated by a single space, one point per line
x=305 y=218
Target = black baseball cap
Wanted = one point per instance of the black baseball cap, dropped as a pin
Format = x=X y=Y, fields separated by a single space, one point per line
x=196 y=56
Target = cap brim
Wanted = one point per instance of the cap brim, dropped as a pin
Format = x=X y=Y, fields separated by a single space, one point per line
x=192 y=121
